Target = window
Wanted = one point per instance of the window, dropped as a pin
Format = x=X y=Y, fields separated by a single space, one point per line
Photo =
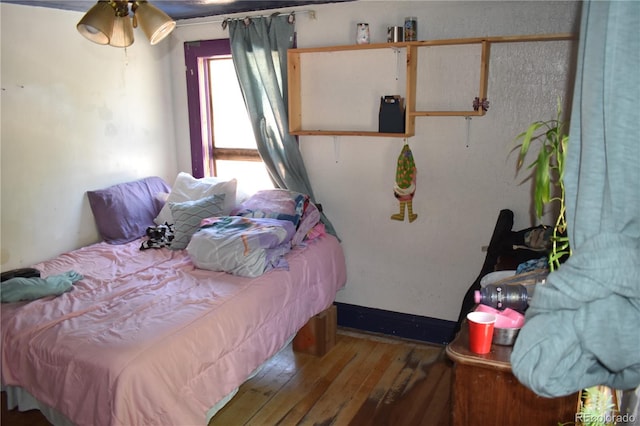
x=222 y=140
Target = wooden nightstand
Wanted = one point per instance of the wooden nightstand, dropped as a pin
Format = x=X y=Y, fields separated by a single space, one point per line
x=485 y=391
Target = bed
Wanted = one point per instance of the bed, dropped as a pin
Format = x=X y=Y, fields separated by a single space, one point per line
x=146 y=337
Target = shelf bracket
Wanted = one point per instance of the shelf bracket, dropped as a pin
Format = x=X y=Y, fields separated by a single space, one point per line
x=336 y=149
x=468 y=120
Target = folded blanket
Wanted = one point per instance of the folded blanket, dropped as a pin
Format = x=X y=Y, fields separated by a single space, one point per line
x=241 y=246
x=20 y=288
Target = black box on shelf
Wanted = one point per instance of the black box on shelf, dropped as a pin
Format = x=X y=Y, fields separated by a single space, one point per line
x=392 y=114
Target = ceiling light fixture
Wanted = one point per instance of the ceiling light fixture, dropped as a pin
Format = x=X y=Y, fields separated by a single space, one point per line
x=108 y=22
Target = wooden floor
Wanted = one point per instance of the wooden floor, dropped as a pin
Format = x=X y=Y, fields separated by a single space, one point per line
x=364 y=380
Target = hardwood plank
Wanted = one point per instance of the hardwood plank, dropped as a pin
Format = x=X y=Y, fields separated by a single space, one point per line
x=306 y=385
x=399 y=375
x=419 y=387
x=338 y=395
x=17 y=418
x=430 y=391
x=400 y=402
x=368 y=385
x=439 y=407
x=269 y=380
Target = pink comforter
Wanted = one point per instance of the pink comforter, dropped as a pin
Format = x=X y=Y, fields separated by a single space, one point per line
x=145 y=338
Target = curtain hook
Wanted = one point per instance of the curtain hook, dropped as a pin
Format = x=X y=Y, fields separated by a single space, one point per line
x=292 y=18
x=225 y=23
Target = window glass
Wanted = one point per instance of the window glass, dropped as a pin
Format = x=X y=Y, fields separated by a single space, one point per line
x=232 y=127
x=252 y=174
x=222 y=140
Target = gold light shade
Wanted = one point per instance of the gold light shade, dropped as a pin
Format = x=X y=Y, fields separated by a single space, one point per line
x=97 y=24
x=108 y=22
x=155 y=24
x=122 y=34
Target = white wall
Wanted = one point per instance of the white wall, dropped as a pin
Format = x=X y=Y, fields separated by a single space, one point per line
x=76 y=116
x=424 y=267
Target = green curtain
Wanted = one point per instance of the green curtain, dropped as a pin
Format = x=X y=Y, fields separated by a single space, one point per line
x=259 y=51
x=581 y=328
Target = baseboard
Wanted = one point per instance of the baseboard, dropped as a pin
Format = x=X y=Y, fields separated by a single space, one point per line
x=426 y=329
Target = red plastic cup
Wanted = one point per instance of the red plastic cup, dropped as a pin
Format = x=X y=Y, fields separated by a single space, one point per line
x=481 y=326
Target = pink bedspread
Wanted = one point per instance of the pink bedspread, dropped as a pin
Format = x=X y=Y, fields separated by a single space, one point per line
x=145 y=338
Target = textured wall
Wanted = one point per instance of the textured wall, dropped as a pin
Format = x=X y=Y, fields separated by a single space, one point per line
x=465 y=171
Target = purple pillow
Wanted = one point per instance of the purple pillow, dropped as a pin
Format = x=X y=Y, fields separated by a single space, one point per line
x=124 y=211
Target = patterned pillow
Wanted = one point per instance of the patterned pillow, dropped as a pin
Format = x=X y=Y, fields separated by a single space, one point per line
x=188 y=215
x=188 y=188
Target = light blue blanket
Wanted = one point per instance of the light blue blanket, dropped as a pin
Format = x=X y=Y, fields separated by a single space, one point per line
x=582 y=326
x=20 y=288
x=243 y=246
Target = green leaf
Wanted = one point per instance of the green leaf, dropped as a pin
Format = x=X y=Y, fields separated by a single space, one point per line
x=542 y=182
x=561 y=156
x=527 y=137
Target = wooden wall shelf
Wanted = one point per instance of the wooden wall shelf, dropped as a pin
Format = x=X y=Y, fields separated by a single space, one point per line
x=294 y=78
x=348 y=133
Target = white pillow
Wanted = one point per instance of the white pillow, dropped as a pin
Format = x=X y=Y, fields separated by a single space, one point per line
x=188 y=188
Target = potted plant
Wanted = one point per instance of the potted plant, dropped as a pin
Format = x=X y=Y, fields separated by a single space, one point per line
x=548 y=176
x=595 y=406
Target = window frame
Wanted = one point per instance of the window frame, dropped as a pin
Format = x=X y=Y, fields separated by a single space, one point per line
x=203 y=152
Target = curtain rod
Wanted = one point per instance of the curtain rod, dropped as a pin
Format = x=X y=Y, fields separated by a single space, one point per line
x=310 y=12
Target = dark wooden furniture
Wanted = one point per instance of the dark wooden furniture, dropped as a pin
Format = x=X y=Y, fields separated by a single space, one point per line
x=485 y=391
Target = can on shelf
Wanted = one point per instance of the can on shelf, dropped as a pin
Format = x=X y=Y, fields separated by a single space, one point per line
x=395 y=34
x=410 y=28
